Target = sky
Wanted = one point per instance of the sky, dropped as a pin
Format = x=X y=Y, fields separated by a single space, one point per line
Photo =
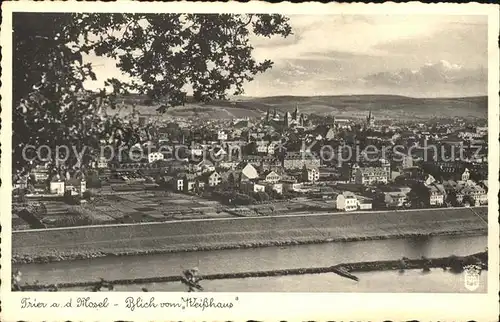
x=411 y=55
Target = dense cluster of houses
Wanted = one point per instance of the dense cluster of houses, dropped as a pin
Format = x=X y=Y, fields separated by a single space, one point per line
x=276 y=155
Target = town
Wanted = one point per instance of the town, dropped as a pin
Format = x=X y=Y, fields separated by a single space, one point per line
x=282 y=162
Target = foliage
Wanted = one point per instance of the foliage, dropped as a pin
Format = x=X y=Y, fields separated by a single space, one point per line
x=87 y=194
x=189 y=277
x=162 y=54
x=468 y=200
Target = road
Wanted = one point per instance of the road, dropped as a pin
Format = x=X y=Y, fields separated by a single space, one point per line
x=220 y=232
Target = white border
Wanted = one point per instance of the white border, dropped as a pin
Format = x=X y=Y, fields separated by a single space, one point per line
x=266 y=306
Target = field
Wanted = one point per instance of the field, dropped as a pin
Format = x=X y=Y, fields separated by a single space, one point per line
x=355 y=106
x=207 y=234
x=114 y=207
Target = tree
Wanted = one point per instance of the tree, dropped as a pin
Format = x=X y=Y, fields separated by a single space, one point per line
x=451 y=199
x=469 y=200
x=161 y=53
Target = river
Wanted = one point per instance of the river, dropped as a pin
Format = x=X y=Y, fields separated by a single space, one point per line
x=268 y=258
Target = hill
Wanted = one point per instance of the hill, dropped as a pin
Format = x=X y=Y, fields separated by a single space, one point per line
x=349 y=106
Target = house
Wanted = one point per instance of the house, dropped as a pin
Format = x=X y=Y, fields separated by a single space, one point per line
x=330 y=134
x=102 y=163
x=212 y=179
x=310 y=174
x=272 y=147
x=364 y=203
x=249 y=172
x=197 y=150
x=191 y=182
x=394 y=199
x=262 y=147
x=297 y=160
x=370 y=175
x=218 y=153
x=41 y=173
x=273 y=187
x=249 y=186
x=56 y=185
x=221 y=135
x=254 y=160
x=290 y=184
x=271 y=176
x=201 y=166
x=228 y=164
x=230 y=178
x=347 y=201
x=180 y=182
x=155 y=156
x=407 y=161
x=186 y=181
x=436 y=195
x=20 y=182
x=76 y=186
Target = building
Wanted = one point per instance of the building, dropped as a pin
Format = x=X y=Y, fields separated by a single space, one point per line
x=364 y=203
x=222 y=135
x=294 y=160
x=201 y=166
x=347 y=201
x=249 y=187
x=394 y=199
x=310 y=174
x=197 y=150
x=370 y=175
x=228 y=164
x=291 y=185
x=370 y=120
x=187 y=182
x=271 y=177
x=476 y=193
x=57 y=186
x=250 y=172
x=407 y=161
x=273 y=187
x=76 y=186
x=102 y=163
x=272 y=147
x=41 y=173
x=20 y=182
x=212 y=179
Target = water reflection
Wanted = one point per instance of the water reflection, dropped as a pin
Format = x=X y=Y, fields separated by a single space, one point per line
x=242 y=260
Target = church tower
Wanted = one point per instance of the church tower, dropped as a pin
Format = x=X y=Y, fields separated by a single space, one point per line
x=370 y=120
x=286 y=121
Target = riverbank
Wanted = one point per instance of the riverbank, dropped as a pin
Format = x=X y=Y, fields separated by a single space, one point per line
x=42 y=246
x=455 y=264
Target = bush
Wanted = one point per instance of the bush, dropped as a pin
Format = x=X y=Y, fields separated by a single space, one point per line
x=87 y=194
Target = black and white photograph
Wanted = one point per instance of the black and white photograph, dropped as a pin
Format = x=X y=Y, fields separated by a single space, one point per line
x=249 y=152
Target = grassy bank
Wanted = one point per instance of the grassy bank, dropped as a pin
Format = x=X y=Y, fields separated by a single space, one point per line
x=453 y=263
x=90 y=242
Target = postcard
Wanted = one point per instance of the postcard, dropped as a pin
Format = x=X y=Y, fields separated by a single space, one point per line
x=249 y=161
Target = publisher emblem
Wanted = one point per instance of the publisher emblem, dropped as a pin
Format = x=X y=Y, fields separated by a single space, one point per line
x=471 y=277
